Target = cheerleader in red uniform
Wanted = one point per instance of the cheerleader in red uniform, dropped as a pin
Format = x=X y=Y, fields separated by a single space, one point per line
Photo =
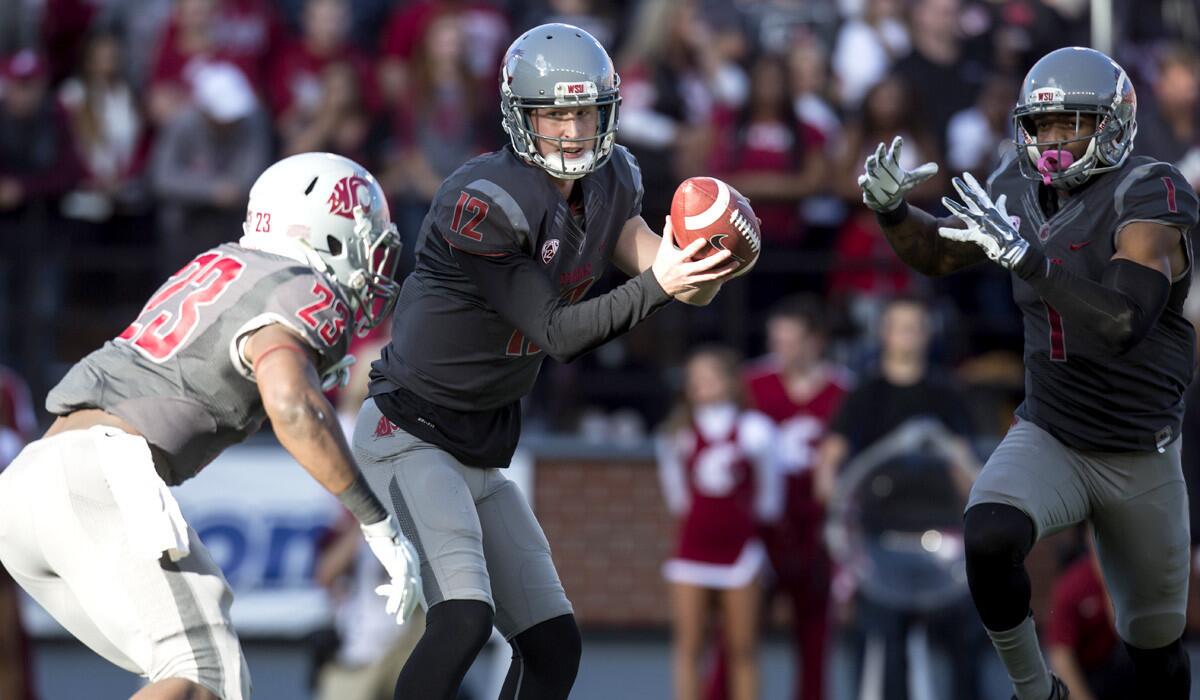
x=718 y=477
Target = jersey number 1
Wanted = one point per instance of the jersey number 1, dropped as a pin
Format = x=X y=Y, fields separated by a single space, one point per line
x=206 y=278
x=1058 y=339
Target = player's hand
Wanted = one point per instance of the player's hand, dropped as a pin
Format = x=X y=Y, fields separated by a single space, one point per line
x=679 y=271
x=400 y=560
x=884 y=183
x=988 y=223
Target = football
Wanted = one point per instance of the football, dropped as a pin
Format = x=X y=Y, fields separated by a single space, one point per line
x=705 y=207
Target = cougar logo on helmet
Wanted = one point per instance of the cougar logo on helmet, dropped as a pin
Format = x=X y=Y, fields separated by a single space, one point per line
x=349 y=192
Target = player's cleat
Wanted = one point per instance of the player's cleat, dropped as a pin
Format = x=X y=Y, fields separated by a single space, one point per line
x=1058 y=689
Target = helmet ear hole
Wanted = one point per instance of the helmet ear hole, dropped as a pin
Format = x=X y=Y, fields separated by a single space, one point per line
x=334 y=245
x=308 y=190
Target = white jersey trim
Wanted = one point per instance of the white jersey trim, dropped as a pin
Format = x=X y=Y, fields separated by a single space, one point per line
x=237 y=346
x=724 y=576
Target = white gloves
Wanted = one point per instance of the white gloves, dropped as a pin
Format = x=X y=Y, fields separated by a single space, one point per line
x=988 y=223
x=884 y=183
x=400 y=560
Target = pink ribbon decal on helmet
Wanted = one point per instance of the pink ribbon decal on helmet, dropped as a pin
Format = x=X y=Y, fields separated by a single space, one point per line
x=1053 y=161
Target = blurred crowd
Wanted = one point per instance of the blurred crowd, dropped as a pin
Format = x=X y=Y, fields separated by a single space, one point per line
x=131 y=130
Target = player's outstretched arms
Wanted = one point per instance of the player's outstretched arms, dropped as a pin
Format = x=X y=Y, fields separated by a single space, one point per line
x=912 y=232
x=307 y=427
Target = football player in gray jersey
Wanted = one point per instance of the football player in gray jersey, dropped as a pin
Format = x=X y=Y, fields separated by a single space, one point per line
x=1097 y=244
x=511 y=246
x=244 y=332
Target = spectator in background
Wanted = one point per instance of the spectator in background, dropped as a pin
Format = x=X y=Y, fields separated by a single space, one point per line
x=297 y=80
x=485 y=28
x=38 y=164
x=141 y=25
x=799 y=390
x=811 y=91
x=341 y=122
x=1082 y=646
x=17 y=427
x=717 y=476
x=941 y=75
x=865 y=49
x=38 y=159
x=978 y=135
x=904 y=388
x=813 y=96
x=250 y=32
x=767 y=155
x=109 y=133
x=865 y=272
x=435 y=128
x=189 y=41
x=674 y=75
x=205 y=161
x=1169 y=122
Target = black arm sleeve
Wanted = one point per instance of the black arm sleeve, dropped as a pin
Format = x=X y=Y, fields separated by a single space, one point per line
x=520 y=292
x=1120 y=309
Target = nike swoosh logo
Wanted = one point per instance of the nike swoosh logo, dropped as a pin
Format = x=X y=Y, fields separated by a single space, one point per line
x=718 y=242
x=1077 y=246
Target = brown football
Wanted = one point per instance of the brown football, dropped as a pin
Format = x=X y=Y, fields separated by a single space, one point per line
x=705 y=207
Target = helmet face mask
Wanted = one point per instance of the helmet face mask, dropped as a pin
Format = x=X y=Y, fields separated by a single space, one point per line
x=329 y=212
x=559 y=66
x=1075 y=82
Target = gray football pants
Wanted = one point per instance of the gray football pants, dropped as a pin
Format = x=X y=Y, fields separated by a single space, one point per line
x=474 y=531
x=1136 y=503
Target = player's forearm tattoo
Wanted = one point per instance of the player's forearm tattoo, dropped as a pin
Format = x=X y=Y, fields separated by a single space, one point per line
x=918 y=245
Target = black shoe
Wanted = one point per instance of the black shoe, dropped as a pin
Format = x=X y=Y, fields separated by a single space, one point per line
x=1058 y=689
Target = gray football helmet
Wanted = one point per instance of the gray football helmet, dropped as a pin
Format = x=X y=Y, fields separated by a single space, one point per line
x=558 y=65
x=1075 y=80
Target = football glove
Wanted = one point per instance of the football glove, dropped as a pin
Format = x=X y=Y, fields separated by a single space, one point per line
x=884 y=183
x=403 y=568
x=988 y=223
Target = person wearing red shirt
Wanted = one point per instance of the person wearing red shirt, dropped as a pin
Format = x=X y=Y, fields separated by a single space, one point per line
x=801 y=392
x=294 y=88
x=1081 y=638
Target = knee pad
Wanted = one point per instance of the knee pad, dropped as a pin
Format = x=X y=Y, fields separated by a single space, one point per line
x=466 y=624
x=997 y=534
x=553 y=643
x=545 y=661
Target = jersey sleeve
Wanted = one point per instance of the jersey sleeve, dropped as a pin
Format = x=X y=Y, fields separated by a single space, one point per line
x=481 y=217
x=1156 y=192
x=310 y=307
x=632 y=177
